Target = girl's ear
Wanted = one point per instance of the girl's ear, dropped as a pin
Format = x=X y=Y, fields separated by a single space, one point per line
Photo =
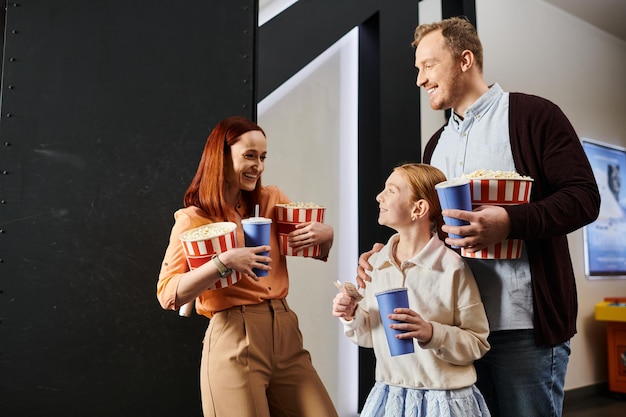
x=420 y=209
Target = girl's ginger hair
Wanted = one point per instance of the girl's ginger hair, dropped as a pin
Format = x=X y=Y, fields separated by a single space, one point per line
x=422 y=179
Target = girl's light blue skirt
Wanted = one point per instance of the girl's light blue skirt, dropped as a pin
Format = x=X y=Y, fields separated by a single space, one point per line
x=392 y=401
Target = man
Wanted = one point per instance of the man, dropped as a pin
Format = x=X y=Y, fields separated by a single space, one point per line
x=531 y=302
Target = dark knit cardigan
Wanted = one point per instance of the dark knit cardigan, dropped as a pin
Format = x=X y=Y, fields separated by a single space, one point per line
x=564 y=198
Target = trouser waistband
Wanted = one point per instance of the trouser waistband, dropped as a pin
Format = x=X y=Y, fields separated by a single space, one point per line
x=266 y=305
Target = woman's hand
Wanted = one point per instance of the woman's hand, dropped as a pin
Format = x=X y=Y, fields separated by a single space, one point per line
x=309 y=234
x=344 y=306
x=244 y=259
x=196 y=281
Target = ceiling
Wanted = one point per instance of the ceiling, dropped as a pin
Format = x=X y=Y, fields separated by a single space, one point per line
x=608 y=15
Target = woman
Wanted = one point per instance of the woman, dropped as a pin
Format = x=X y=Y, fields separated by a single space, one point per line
x=446 y=319
x=253 y=360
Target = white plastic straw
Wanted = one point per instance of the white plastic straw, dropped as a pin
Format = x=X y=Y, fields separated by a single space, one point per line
x=256 y=211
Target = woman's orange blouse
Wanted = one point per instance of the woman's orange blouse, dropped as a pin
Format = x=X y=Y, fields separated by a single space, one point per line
x=245 y=291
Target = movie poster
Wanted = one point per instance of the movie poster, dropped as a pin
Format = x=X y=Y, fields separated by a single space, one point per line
x=605 y=239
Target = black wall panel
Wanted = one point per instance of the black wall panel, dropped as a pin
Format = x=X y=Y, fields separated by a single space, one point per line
x=105 y=110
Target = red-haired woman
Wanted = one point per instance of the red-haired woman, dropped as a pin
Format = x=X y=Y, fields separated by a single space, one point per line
x=253 y=360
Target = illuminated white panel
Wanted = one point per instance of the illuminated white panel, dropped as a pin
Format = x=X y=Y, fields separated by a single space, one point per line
x=270 y=8
x=311 y=122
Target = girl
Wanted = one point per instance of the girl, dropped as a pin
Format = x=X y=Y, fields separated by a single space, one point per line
x=253 y=360
x=446 y=320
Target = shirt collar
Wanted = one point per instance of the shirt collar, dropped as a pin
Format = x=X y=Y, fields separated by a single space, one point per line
x=429 y=257
x=480 y=106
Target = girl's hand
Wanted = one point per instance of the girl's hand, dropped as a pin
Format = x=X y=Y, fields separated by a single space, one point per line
x=414 y=325
x=344 y=306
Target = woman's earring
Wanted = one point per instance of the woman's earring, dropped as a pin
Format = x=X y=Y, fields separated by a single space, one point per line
x=413 y=218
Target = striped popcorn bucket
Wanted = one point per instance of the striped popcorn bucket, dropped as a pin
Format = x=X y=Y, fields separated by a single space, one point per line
x=202 y=243
x=287 y=217
x=499 y=192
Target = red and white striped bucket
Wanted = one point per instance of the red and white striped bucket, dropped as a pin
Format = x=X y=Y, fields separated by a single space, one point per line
x=201 y=243
x=499 y=192
x=287 y=217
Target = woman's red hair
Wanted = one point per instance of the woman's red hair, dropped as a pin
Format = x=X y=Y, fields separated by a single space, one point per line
x=207 y=187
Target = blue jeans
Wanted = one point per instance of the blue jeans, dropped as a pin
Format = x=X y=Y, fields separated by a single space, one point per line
x=520 y=379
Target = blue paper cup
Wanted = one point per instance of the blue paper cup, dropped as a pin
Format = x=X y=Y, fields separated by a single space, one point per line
x=256 y=232
x=455 y=194
x=387 y=301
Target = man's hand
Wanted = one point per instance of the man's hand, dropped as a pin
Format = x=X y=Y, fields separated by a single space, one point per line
x=488 y=225
x=361 y=275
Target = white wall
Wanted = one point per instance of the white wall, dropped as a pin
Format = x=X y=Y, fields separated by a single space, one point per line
x=534 y=47
x=311 y=126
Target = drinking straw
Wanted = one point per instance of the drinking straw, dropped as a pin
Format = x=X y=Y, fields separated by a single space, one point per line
x=256 y=211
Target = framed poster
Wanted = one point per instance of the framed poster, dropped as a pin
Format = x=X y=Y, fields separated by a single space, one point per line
x=605 y=238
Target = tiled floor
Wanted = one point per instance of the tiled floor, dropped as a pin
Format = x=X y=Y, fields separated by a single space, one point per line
x=599 y=404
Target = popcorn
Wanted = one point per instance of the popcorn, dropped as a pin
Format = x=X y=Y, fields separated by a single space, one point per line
x=206 y=232
x=491 y=174
x=298 y=204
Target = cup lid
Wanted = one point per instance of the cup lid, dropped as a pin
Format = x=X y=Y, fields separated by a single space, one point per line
x=391 y=290
x=453 y=182
x=257 y=220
